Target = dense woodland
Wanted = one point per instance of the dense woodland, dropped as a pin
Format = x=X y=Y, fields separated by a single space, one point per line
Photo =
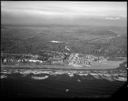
x=33 y=40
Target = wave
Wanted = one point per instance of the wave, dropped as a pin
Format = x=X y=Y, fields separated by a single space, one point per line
x=39 y=78
x=41 y=75
x=3 y=76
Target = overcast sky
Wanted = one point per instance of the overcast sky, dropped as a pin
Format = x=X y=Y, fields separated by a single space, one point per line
x=62 y=9
x=53 y=8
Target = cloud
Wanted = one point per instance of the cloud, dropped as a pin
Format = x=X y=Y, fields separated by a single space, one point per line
x=67 y=9
x=41 y=12
x=112 y=18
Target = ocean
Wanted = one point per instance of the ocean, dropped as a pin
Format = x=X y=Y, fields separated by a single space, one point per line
x=57 y=85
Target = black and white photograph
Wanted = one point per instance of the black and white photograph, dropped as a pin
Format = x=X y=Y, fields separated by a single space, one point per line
x=63 y=49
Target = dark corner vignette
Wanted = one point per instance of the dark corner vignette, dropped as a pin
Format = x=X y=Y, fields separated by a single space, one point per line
x=63 y=49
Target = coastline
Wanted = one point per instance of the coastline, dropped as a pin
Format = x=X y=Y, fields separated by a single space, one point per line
x=64 y=67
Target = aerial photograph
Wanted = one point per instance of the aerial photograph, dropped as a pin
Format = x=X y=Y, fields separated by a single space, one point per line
x=63 y=49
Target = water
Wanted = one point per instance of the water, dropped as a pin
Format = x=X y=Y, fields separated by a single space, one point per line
x=61 y=85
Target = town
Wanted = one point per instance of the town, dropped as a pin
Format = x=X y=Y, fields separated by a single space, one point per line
x=51 y=58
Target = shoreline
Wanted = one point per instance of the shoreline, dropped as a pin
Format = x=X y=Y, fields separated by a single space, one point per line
x=53 y=67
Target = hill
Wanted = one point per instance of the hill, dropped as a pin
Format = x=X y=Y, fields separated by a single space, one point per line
x=33 y=39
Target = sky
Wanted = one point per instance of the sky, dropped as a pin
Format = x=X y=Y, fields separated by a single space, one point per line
x=21 y=10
